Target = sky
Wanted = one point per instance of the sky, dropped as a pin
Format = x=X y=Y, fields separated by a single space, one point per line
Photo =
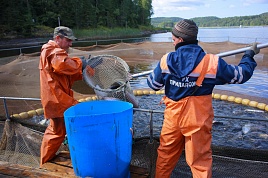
x=203 y=8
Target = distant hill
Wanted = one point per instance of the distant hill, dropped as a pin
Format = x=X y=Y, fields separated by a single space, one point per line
x=212 y=21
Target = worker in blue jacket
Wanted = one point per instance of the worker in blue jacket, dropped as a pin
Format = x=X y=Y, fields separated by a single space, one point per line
x=188 y=76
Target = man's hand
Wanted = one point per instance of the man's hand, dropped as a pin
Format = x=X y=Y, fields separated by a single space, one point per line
x=96 y=61
x=254 y=48
x=84 y=62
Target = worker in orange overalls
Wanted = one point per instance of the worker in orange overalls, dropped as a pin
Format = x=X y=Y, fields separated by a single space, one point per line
x=58 y=72
x=189 y=76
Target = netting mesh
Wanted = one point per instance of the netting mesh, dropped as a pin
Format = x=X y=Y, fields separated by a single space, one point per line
x=110 y=78
x=233 y=165
x=20 y=142
x=20 y=145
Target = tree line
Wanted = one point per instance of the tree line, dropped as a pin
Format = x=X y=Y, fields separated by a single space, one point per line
x=212 y=21
x=22 y=16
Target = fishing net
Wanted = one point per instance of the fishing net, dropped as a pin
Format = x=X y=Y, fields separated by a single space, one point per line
x=20 y=144
x=21 y=141
x=109 y=76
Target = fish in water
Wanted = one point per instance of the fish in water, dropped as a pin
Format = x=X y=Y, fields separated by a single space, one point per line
x=129 y=96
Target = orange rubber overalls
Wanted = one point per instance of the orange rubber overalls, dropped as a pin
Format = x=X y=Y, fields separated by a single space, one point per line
x=187 y=125
x=57 y=74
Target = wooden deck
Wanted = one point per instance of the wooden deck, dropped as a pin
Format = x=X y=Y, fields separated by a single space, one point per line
x=59 y=167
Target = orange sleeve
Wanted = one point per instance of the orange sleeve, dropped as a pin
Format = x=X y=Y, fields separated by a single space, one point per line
x=62 y=64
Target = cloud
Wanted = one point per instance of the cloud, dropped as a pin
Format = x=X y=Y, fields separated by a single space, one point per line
x=163 y=8
x=186 y=3
x=201 y=8
x=256 y=2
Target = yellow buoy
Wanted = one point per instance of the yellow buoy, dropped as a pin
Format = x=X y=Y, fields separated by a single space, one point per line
x=158 y=92
x=217 y=96
x=212 y=95
x=162 y=91
x=238 y=100
x=230 y=98
x=94 y=98
x=253 y=103
x=224 y=97
x=31 y=113
x=139 y=93
x=16 y=116
x=146 y=92
x=135 y=92
x=261 y=106
x=245 y=101
x=266 y=108
x=81 y=100
x=152 y=92
x=40 y=111
x=88 y=99
x=23 y=115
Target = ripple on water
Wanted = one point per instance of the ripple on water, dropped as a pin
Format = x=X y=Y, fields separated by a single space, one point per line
x=225 y=132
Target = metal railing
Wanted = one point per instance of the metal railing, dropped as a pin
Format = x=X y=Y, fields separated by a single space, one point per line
x=135 y=109
x=14 y=98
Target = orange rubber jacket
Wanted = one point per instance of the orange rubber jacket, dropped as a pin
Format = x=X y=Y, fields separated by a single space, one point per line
x=58 y=72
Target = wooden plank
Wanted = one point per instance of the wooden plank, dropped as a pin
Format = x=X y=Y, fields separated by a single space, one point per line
x=25 y=171
x=60 y=166
x=138 y=172
x=59 y=169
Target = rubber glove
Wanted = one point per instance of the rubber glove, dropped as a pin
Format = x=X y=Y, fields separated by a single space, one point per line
x=84 y=62
x=96 y=61
x=254 y=48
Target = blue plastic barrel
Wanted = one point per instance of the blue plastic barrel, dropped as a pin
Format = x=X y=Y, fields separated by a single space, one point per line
x=99 y=138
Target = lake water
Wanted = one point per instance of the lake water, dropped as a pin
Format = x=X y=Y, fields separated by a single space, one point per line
x=257 y=85
x=236 y=35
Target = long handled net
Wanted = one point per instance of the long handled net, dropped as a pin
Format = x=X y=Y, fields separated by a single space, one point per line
x=109 y=78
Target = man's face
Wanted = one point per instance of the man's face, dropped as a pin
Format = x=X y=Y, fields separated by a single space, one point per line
x=64 y=43
x=176 y=40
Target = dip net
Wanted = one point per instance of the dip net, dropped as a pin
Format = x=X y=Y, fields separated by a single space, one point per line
x=109 y=76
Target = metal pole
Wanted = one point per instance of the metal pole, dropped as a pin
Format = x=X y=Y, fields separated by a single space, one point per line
x=151 y=127
x=6 y=110
x=59 y=21
x=224 y=54
x=241 y=50
x=215 y=116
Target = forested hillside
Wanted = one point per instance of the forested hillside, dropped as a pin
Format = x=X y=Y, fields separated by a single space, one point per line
x=255 y=20
x=30 y=17
x=22 y=16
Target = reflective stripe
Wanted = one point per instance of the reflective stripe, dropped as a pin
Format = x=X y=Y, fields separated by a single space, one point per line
x=212 y=67
x=241 y=74
x=163 y=64
x=235 y=75
x=238 y=74
x=155 y=85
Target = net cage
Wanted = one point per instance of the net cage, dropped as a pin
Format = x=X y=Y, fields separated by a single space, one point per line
x=21 y=140
x=109 y=76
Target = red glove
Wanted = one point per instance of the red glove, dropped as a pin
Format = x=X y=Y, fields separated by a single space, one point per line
x=90 y=71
